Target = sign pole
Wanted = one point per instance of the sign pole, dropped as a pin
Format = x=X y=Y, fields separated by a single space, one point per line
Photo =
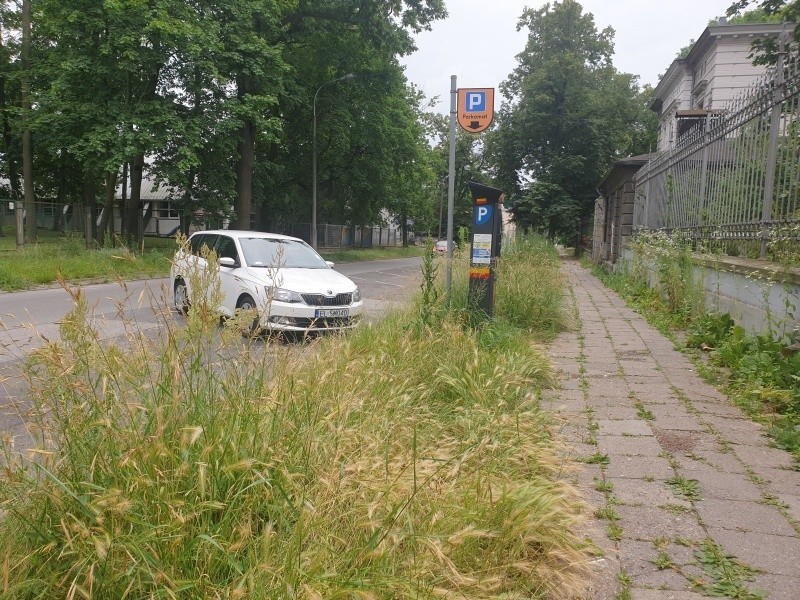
x=451 y=184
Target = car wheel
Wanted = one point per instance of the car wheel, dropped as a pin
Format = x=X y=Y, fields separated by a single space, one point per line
x=181 y=296
x=253 y=328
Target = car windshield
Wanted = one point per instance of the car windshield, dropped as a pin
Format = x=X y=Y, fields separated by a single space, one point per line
x=276 y=254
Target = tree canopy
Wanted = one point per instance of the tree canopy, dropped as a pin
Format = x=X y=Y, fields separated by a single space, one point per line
x=570 y=115
x=214 y=100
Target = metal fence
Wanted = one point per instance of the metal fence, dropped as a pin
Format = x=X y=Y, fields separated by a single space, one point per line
x=736 y=175
x=345 y=236
x=73 y=218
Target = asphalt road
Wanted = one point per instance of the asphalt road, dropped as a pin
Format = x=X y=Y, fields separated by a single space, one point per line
x=29 y=319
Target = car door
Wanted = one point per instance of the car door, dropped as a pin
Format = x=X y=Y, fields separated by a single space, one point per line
x=230 y=283
x=200 y=244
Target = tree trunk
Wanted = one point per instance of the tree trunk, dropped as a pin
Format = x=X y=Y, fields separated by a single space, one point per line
x=8 y=141
x=90 y=202
x=186 y=203
x=108 y=208
x=27 y=136
x=244 y=176
x=133 y=210
x=404 y=229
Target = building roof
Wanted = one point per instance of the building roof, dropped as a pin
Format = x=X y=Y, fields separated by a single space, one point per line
x=636 y=162
x=710 y=34
x=150 y=190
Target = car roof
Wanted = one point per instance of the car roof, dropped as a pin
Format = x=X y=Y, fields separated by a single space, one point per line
x=236 y=233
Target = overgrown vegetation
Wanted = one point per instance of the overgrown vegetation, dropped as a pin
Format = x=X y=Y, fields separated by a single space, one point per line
x=406 y=459
x=760 y=372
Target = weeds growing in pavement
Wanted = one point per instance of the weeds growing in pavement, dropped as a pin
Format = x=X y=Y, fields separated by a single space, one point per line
x=688 y=489
x=726 y=576
x=393 y=462
x=758 y=372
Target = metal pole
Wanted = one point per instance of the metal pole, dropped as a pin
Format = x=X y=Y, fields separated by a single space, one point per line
x=314 y=174
x=772 y=153
x=701 y=219
x=451 y=184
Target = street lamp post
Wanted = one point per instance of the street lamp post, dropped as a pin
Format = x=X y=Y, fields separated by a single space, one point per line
x=314 y=158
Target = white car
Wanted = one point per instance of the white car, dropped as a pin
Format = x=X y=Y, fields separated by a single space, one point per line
x=291 y=286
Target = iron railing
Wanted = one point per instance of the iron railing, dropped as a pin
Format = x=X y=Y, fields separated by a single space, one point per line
x=736 y=175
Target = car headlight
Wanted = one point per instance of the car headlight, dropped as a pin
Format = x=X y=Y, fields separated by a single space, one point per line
x=282 y=295
x=357 y=295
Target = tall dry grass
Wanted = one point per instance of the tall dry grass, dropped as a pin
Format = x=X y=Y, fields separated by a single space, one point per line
x=405 y=460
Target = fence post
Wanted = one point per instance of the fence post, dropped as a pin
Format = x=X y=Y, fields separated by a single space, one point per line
x=772 y=152
x=19 y=211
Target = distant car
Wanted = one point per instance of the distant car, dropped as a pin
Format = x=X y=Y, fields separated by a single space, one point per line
x=440 y=247
x=291 y=287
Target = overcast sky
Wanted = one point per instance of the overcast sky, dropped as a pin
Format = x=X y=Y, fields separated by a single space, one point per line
x=478 y=42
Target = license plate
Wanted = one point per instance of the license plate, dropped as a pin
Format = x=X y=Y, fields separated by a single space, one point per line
x=328 y=313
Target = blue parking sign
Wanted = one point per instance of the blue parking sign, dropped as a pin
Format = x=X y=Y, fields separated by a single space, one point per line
x=476 y=101
x=482 y=214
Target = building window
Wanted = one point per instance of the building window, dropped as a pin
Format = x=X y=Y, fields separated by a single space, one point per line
x=166 y=210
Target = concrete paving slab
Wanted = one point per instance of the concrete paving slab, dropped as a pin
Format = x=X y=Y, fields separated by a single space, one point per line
x=650 y=594
x=616 y=445
x=721 y=461
x=676 y=442
x=652 y=523
x=720 y=485
x=640 y=467
x=639 y=561
x=773 y=554
x=608 y=387
x=709 y=408
x=780 y=587
x=688 y=423
x=792 y=506
x=780 y=481
x=759 y=457
x=743 y=516
x=638 y=492
x=615 y=412
x=631 y=427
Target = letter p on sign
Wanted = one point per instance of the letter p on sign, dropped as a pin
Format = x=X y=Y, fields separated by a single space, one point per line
x=476 y=101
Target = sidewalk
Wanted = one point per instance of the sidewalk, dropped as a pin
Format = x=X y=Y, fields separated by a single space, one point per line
x=681 y=481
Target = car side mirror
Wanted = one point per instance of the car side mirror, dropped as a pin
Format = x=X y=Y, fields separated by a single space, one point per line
x=329 y=263
x=227 y=261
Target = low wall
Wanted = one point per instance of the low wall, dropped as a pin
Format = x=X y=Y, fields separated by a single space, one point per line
x=760 y=296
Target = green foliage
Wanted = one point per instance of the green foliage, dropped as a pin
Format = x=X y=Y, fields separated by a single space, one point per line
x=688 y=489
x=218 y=96
x=430 y=293
x=765 y=49
x=709 y=330
x=530 y=296
x=572 y=114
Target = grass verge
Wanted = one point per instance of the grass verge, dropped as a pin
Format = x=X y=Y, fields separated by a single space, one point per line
x=408 y=459
x=56 y=256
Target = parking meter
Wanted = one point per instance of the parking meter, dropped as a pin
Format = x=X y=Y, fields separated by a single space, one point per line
x=487 y=232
